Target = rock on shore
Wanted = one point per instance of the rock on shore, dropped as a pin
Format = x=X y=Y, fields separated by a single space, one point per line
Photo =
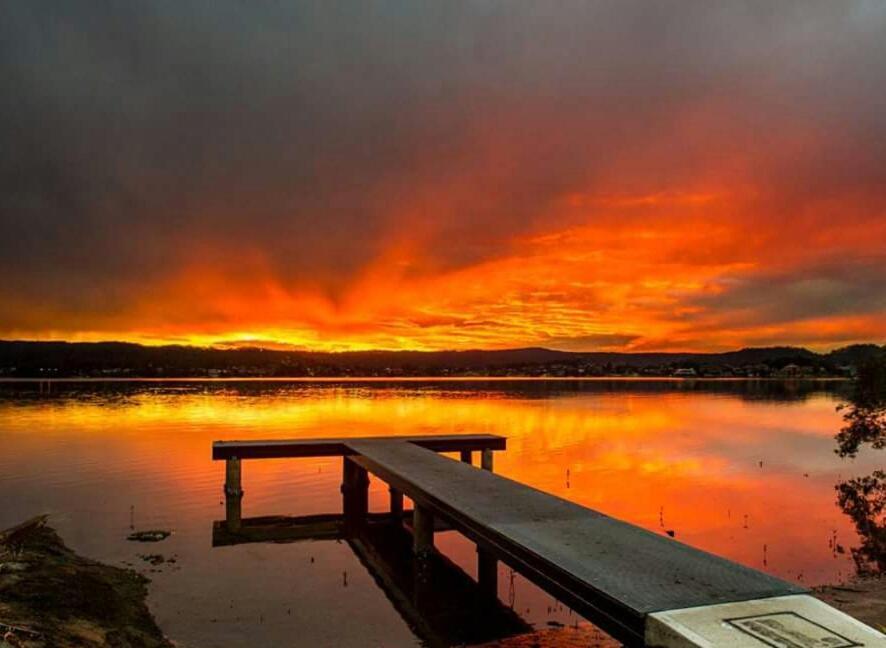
x=50 y=596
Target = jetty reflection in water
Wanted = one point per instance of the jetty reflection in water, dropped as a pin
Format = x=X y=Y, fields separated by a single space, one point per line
x=441 y=603
x=746 y=470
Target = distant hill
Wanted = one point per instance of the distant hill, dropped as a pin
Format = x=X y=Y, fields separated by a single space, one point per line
x=64 y=359
x=854 y=355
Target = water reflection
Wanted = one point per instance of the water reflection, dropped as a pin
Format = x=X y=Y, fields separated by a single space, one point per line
x=863 y=499
x=439 y=601
x=741 y=468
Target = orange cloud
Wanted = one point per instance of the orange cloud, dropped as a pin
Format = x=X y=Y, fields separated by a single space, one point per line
x=672 y=281
x=600 y=177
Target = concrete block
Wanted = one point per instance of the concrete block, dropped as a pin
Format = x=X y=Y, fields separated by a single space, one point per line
x=797 y=621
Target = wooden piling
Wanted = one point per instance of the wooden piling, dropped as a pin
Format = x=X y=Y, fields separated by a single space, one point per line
x=396 y=505
x=355 y=494
x=423 y=530
x=486 y=459
x=233 y=495
x=487 y=574
x=467 y=456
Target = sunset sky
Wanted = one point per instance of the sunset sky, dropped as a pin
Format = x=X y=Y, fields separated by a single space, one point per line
x=444 y=175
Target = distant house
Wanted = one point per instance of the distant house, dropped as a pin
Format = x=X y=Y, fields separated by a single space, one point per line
x=846 y=370
x=793 y=371
x=685 y=372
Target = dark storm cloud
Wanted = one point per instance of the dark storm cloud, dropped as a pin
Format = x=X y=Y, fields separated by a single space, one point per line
x=141 y=137
x=855 y=287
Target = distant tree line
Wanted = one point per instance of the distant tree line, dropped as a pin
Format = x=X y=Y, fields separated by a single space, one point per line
x=115 y=359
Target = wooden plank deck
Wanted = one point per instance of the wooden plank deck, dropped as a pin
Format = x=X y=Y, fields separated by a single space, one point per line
x=341 y=446
x=613 y=572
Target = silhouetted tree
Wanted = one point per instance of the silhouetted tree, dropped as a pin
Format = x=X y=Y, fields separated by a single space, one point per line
x=865 y=414
x=863 y=499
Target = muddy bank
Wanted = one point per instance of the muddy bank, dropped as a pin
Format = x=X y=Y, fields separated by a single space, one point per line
x=863 y=599
x=569 y=637
x=51 y=597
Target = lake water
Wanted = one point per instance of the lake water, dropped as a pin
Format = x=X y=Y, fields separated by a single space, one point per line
x=743 y=469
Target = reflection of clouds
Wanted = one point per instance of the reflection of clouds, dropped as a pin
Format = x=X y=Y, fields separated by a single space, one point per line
x=629 y=453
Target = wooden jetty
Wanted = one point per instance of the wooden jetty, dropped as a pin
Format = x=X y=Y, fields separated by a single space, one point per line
x=641 y=587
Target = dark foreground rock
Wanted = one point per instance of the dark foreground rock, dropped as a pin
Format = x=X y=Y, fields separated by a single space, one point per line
x=51 y=597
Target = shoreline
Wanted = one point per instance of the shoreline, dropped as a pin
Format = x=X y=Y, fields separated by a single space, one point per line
x=407 y=379
x=862 y=598
x=51 y=596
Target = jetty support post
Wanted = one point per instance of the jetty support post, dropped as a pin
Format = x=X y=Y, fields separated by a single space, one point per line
x=486 y=459
x=423 y=548
x=355 y=494
x=467 y=456
x=396 y=505
x=423 y=531
x=487 y=575
x=233 y=494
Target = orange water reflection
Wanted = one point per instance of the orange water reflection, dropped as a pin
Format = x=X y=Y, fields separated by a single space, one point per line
x=728 y=471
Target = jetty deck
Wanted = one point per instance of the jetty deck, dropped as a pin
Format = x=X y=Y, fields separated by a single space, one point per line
x=343 y=446
x=605 y=569
x=643 y=588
